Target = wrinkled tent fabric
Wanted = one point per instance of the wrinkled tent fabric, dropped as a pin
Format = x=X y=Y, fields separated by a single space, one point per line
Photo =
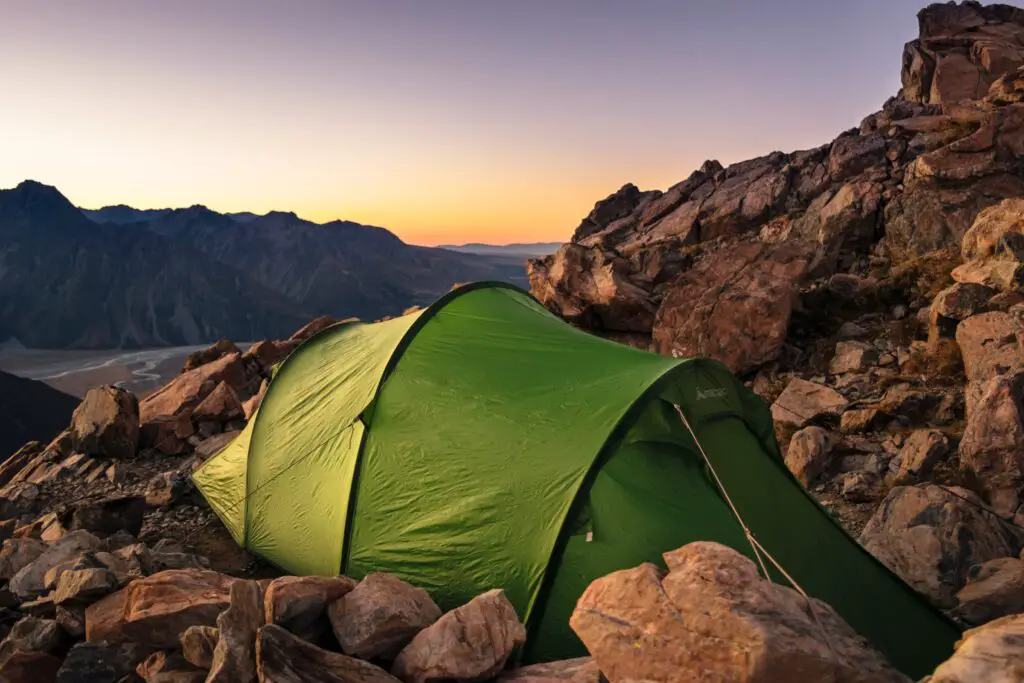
x=483 y=442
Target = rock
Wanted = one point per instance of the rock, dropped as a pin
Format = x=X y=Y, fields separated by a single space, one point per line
x=167 y=488
x=734 y=305
x=90 y=663
x=29 y=581
x=994 y=589
x=215 y=444
x=603 y=295
x=84 y=585
x=30 y=667
x=579 y=670
x=250 y=407
x=997 y=231
x=71 y=618
x=842 y=221
x=284 y=658
x=957 y=303
x=299 y=603
x=313 y=327
x=931 y=536
x=993 y=653
x=852 y=356
x=993 y=442
x=267 y=354
x=860 y=487
x=861 y=420
x=921 y=451
x=221 y=405
x=105 y=619
x=185 y=391
x=167 y=434
x=18 y=553
x=234 y=658
x=158 y=608
x=169 y=667
x=32 y=635
x=110 y=515
x=852 y=154
x=198 y=644
x=380 y=616
x=802 y=401
x=220 y=348
x=106 y=423
x=470 y=643
x=714 y=614
x=999 y=274
x=808 y=453
x=988 y=343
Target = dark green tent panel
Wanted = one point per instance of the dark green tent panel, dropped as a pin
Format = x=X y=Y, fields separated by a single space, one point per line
x=483 y=442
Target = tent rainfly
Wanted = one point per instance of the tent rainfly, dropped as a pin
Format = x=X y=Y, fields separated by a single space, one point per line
x=483 y=442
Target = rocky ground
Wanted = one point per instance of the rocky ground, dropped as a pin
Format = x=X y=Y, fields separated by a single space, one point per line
x=871 y=290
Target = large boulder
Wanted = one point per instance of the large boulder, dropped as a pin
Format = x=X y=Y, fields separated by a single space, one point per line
x=158 y=608
x=186 y=390
x=380 y=616
x=993 y=442
x=932 y=535
x=989 y=346
x=993 y=653
x=714 y=614
x=285 y=658
x=470 y=643
x=593 y=288
x=17 y=553
x=299 y=603
x=314 y=326
x=994 y=589
x=234 y=658
x=734 y=305
x=998 y=231
x=30 y=667
x=106 y=423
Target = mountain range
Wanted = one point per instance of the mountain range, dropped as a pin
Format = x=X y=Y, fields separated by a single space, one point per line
x=527 y=249
x=32 y=411
x=129 y=278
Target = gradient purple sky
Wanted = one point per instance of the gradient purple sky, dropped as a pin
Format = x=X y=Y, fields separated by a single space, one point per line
x=443 y=120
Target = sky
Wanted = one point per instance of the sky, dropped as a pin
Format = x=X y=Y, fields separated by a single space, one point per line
x=446 y=121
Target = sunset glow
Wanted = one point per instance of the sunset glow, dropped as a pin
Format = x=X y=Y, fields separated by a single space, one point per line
x=443 y=121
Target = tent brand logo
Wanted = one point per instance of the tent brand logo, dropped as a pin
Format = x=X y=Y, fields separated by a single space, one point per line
x=703 y=394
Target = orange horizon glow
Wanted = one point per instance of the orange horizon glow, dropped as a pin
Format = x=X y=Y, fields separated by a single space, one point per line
x=444 y=122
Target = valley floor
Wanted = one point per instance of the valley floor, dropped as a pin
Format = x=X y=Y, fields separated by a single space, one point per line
x=75 y=372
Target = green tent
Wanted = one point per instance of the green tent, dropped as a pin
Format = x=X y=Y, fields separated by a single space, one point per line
x=483 y=442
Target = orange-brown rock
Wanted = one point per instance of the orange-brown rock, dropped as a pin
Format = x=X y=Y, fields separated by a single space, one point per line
x=198 y=644
x=993 y=441
x=185 y=390
x=106 y=423
x=314 y=326
x=104 y=620
x=734 y=306
x=219 y=349
x=380 y=616
x=158 y=608
x=579 y=670
x=713 y=613
x=470 y=643
x=285 y=658
x=234 y=657
x=299 y=603
x=220 y=405
x=993 y=653
x=989 y=345
x=169 y=667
